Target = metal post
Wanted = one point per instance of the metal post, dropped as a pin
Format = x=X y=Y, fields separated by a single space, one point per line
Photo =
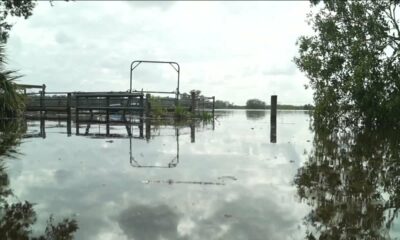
x=274 y=99
x=177 y=145
x=177 y=89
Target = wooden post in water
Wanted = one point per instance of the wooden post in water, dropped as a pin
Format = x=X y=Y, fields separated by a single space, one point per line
x=148 y=114
x=77 y=114
x=204 y=104
x=43 y=104
x=213 y=106
x=148 y=105
x=192 y=133
x=42 y=127
x=142 y=110
x=69 y=114
x=193 y=102
x=274 y=100
x=148 y=129
x=107 y=115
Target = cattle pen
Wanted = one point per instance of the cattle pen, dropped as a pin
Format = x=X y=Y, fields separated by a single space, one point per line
x=117 y=107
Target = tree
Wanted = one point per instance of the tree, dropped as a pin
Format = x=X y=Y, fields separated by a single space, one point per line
x=255 y=104
x=223 y=104
x=352 y=61
x=13 y=8
x=11 y=102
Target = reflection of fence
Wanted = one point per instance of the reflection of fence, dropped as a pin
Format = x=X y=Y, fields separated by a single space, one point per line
x=145 y=133
x=171 y=163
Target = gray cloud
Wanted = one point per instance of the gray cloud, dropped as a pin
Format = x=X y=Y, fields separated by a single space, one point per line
x=63 y=38
x=288 y=69
x=163 y=5
x=255 y=220
x=149 y=222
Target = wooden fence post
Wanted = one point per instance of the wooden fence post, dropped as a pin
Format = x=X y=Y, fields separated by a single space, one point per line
x=142 y=109
x=43 y=99
x=213 y=106
x=107 y=115
x=193 y=102
x=274 y=99
x=69 y=114
x=77 y=114
x=192 y=133
x=148 y=105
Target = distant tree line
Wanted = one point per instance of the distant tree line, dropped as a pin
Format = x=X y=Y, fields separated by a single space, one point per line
x=259 y=104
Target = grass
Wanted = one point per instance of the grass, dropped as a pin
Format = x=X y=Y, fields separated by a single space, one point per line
x=180 y=113
x=206 y=116
x=156 y=108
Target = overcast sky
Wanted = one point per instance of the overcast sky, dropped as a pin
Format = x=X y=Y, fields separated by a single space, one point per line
x=231 y=50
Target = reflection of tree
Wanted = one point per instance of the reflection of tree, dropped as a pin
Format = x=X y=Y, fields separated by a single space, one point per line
x=255 y=115
x=16 y=219
x=10 y=135
x=351 y=181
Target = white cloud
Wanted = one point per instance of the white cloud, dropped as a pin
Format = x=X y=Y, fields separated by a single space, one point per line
x=233 y=50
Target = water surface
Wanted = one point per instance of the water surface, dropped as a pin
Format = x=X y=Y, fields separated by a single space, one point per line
x=221 y=181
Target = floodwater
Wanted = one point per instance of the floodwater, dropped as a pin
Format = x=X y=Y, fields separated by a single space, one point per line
x=221 y=180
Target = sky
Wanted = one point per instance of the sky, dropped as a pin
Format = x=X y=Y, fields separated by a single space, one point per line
x=234 y=51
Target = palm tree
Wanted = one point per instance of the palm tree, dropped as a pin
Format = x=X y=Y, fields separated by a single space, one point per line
x=11 y=101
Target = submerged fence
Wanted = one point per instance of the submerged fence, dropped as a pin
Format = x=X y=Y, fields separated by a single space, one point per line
x=106 y=103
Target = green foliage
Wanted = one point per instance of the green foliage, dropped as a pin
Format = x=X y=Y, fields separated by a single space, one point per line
x=11 y=102
x=181 y=113
x=13 y=8
x=219 y=104
x=156 y=108
x=11 y=131
x=63 y=230
x=352 y=62
x=206 y=116
x=255 y=104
